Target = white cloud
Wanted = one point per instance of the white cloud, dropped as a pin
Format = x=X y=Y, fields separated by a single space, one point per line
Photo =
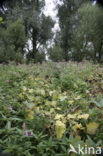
x=50 y=10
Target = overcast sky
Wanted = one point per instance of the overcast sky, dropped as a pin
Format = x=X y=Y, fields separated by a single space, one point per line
x=50 y=8
x=51 y=11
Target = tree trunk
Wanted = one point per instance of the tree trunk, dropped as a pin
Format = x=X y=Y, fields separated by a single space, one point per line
x=66 y=46
x=100 y=53
x=66 y=55
x=34 y=43
x=95 y=52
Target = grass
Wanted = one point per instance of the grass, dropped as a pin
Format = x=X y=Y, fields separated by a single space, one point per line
x=45 y=108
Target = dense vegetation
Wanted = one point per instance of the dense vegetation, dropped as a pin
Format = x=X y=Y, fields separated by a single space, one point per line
x=81 y=34
x=48 y=103
x=44 y=109
x=26 y=32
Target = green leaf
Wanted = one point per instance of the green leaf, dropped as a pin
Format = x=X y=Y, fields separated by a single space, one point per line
x=1 y=19
x=9 y=125
x=91 y=141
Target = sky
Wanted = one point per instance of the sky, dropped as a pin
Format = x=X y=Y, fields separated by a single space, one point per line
x=51 y=11
x=50 y=8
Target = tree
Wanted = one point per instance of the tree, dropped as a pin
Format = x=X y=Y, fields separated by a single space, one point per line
x=56 y=53
x=38 y=27
x=16 y=35
x=89 y=33
x=66 y=11
x=12 y=43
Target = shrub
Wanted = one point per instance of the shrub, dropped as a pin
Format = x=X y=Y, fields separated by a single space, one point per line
x=56 y=53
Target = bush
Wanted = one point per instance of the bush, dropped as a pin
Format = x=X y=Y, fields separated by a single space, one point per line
x=12 y=42
x=56 y=53
x=39 y=57
x=16 y=34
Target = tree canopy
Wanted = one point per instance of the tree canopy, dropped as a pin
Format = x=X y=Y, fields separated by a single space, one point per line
x=26 y=30
x=37 y=26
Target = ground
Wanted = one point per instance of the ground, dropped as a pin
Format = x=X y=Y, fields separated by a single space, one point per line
x=46 y=107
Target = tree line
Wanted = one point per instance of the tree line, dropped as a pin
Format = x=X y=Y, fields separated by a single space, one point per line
x=25 y=31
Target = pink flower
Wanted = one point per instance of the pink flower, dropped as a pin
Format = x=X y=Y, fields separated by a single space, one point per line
x=10 y=108
x=24 y=125
x=7 y=80
x=31 y=133
x=26 y=133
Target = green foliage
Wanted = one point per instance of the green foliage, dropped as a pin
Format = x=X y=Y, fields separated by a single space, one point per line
x=12 y=42
x=88 y=35
x=45 y=108
x=1 y=19
x=81 y=33
x=26 y=21
x=66 y=11
x=56 y=53
x=16 y=34
x=39 y=57
x=38 y=27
